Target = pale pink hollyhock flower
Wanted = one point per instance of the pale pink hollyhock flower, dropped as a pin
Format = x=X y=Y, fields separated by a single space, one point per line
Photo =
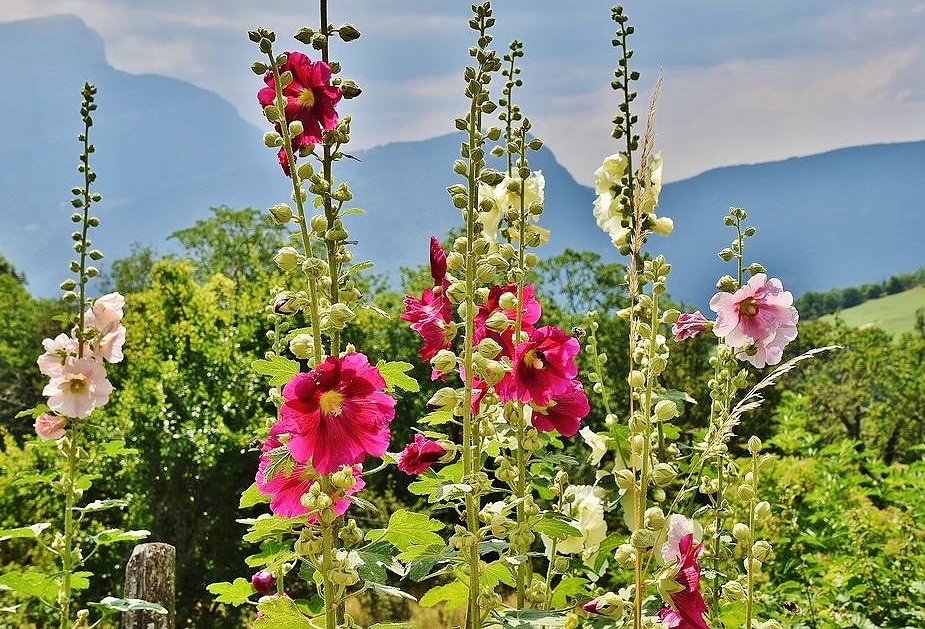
x=79 y=388
x=678 y=527
x=418 y=456
x=105 y=311
x=48 y=426
x=108 y=344
x=689 y=325
x=757 y=320
x=57 y=351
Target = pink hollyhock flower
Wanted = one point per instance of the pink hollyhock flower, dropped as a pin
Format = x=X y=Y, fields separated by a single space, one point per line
x=418 y=456
x=687 y=605
x=689 y=325
x=263 y=582
x=564 y=411
x=758 y=320
x=50 y=427
x=310 y=99
x=79 y=388
x=105 y=311
x=286 y=490
x=336 y=414
x=543 y=367
x=57 y=351
x=431 y=316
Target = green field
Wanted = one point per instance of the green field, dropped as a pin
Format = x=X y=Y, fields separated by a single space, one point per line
x=894 y=313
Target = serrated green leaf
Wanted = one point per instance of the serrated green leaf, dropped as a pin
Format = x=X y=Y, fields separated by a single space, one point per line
x=273 y=552
x=30 y=583
x=81 y=580
x=453 y=594
x=103 y=505
x=356 y=268
x=270 y=526
x=498 y=572
x=116 y=447
x=438 y=417
x=555 y=528
x=236 y=593
x=528 y=619
x=376 y=559
x=31 y=531
x=394 y=375
x=252 y=496
x=605 y=550
x=406 y=528
x=114 y=536
x=129 y=605
x=281 y=613
x=33 y=412
x=353 y=210
x=281 y=370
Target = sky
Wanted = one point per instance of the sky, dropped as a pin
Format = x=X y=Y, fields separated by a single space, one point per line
x=743 y=82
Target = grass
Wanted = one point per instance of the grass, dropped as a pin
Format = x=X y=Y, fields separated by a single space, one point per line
x=894 y=314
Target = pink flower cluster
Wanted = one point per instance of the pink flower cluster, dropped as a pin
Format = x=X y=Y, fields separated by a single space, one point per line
x=332 y=418
x=757 y=321
x=310 y=99
x=543 y=373
x=75 y=367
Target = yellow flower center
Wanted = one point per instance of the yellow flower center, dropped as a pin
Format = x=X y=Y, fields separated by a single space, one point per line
x=306 y=98
x=77 y=384
x=535 y=359
x=748 y=307
x=330 y=403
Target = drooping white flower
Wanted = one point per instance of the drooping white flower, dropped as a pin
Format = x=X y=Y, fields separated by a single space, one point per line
x=586 y=513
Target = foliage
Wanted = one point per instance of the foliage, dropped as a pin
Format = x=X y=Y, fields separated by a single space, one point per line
x=895 y=314
x=814 y=304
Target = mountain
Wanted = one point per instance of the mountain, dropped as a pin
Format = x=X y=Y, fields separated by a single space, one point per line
x=167 y=151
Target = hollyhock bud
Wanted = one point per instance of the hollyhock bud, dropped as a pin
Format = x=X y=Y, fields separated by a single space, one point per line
x=263 y=582
x=344 y=478
x=340 y=315
x=665 y=410
x=689 y=325
x=761 y=550
x=281 y=213
x=663 y=225
x=302 y=346
x=741 y=532
x=444 y=362
x=733 y=591
x=762 y=511
x=654 y=518
x=50 y=427
x=287 y=258
x=625 y=555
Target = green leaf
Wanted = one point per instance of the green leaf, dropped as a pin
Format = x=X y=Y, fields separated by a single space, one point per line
x=30 y=583
x=270 y=526
x=281 y=613
x=236 y=593
x=394 y=374
x=392 y=625
x=376 y=559
x=555 y=528
x=528 y=619
x=352 y=210
x=31 y=531
x=272 y=552
x=569 y=587
x=437 y=417
x=356 y=268
x=281 y=370
x=454 y=594
x=252 y=496
x=129 y=605
x=33 y=412
x=605 y=550
x=116 y=447
x=498 y=572
x=391 y=591
x=114 y=536
x=406 y=528
x=103 y=505
x=81 y=580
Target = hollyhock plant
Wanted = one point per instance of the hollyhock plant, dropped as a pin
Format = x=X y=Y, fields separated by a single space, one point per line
x=689 y=325
x=687 y=604
x=757 y=320
x=286 y=490
x=586 y=513
x=336 y=414
x=419 y=455
x=310 y=99
x=80 y=387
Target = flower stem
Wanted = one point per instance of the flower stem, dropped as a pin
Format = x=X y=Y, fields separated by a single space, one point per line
x=70 y=527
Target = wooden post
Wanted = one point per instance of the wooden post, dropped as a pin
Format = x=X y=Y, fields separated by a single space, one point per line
x=151 y=576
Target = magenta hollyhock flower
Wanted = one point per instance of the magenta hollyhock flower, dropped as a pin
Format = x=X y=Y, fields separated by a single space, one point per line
x=286 y=490
x=689 y=325
x=418 y=456
x=564 y=411
x=263 y=582
x=80 y=387
x=543 y=367
x=431 y=316
x=687 y=605
x=50 y=427
x=336 y=414
x=758 y=320
x=310 y=99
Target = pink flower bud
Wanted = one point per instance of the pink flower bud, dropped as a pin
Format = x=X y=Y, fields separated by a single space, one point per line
x=48 y=426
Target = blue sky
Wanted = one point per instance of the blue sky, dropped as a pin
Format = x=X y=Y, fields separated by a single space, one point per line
x=744 y=82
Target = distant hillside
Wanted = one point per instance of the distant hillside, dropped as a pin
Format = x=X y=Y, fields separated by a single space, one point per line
x=894 y=313
x=167 y=151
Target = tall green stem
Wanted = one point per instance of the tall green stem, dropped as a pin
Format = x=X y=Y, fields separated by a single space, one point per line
x=67 y=552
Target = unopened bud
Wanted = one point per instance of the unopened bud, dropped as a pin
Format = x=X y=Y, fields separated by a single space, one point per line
x=444 y=361
x=287 y=258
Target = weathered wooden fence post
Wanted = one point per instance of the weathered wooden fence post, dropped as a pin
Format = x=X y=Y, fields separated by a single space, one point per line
x=151 y=575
